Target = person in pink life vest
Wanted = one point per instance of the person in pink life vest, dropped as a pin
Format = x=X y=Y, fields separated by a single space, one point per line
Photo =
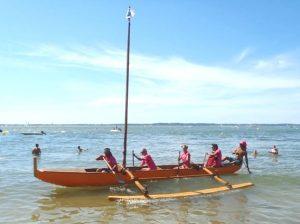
x=108 y=156
x=185 y=157
x=215 y=158
x=146 y=160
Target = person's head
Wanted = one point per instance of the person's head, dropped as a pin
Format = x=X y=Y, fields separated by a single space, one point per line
x=107 y=152
x=214 y=147
x=36 y=145
x=274 y=146
x=144 y=151
x=78 y=147
x=184 y=147
x=243 y=144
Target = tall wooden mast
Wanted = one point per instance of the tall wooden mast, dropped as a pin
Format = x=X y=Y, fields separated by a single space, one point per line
x=129 y=15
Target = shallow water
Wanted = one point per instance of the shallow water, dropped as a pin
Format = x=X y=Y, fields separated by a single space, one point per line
x=275 y=198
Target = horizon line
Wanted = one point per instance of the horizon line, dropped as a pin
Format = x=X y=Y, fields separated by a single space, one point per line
x=155 y=123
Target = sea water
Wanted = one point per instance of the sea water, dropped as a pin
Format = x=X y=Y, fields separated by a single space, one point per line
x=275 y=198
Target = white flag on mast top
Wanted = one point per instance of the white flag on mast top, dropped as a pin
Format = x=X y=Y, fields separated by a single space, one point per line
x=130 y=13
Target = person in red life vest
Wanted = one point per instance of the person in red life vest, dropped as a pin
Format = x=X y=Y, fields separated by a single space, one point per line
x=111 y=160
x=215 y=158
x=146 y=160
x=185 y=157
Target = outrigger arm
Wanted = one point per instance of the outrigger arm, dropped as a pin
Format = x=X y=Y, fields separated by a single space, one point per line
x=181 y=194
x=227 y=187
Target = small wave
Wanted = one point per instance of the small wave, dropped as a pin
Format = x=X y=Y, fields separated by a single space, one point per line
x=123 y=189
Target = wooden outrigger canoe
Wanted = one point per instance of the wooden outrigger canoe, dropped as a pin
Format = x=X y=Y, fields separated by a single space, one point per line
x=89 y=177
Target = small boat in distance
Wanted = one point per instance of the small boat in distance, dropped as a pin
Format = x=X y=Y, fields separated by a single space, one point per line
x=116 y=129
x=34 y=133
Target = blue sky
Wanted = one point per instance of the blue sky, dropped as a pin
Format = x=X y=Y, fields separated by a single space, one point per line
x=63 y=61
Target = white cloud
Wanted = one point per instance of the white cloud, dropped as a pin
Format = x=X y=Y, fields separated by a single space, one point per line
x=276 y=62
x=243 y=55
x=173 y=83
x=173 y=70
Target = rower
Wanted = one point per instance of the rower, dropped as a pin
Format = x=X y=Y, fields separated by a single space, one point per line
x=185 y=157
x=215 y=158
x=146 y=160
x=239 y=153
x=108 y=156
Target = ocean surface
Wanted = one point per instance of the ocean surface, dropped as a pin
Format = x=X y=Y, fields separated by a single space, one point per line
x=275 y=198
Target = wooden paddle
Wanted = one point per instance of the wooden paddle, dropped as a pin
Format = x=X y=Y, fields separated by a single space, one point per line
x=178 y=163
x=204 y=159
x=217 y=177
x=246 y=164
x=133 y=158
x=120 y=181
x=137 y=183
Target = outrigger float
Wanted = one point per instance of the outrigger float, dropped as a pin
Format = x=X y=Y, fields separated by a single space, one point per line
x=126 y=175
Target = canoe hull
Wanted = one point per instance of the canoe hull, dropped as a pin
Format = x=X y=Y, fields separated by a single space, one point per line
x=89 y=177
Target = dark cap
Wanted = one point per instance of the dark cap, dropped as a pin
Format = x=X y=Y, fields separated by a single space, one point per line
x=215 y=146
x=107 y=150
x=143 y=150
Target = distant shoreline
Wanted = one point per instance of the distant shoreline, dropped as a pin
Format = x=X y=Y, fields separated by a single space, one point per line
x=159 y=123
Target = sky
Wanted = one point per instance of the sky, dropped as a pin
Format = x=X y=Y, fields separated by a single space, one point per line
x=208 y=61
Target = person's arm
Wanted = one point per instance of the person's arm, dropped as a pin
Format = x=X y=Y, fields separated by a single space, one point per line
x=100 y=157
x=114 y=167
x=234 y=151
x=188 y=160
x=140 y=159
x=143 y=162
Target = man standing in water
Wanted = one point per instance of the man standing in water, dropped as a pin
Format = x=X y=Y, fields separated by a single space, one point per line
x=274 y=150
x=36 y=151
